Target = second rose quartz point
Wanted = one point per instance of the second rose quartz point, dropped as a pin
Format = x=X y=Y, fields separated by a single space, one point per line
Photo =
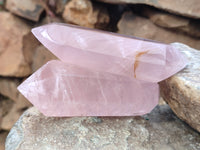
x=60 y=89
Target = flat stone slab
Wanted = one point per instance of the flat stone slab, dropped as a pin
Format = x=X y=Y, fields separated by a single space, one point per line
x=182 y=91
x=159 y=130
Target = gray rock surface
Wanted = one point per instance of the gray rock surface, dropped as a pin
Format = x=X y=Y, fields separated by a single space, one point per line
x=160 y=130
x=182 y=91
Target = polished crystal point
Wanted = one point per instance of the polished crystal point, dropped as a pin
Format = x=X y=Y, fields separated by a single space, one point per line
x=99 y=73
x=60 y=89
x=113 y=53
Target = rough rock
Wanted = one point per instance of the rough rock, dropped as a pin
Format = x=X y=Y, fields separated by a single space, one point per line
x=189 y=8
x=5 y=105
x=8 y=88
x=182 y=91
x=84 y=13
x=40 y=57
x=13 y=106
x=3 y=135
x=29 y=9
x=16 y=42
x=174 y=22
x=10 y=112
x=161 y=129
x=60 y=5
x=11 y=117
x=131 y=24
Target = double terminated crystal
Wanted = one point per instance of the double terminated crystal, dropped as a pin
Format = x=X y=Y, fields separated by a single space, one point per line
x=100 y=73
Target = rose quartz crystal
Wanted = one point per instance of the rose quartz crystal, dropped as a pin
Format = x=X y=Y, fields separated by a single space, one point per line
x=100 y=73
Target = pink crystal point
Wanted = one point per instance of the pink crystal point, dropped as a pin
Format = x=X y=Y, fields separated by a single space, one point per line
x=109 y=52
x=60 y=89
x=100 y=73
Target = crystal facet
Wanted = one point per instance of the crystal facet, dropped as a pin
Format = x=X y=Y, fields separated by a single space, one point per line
x=100 y=73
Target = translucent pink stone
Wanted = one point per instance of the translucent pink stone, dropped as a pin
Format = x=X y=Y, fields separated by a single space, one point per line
x=109 y=52
x=100 y=73
x=60 y=89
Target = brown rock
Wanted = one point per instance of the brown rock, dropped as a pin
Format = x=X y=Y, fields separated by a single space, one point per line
x=159 y=130
x=182 y=91
x=8 y=88
x=3 y=135
x=189 y=8
x=170 y=21
x=10 y=112
x=49 y=19
x=84 y=13
x=131 y=24
x=41 y=56
x=60 y=5
x=5 y=105
x=16 y=43
x=11 y=117
x=29 y=9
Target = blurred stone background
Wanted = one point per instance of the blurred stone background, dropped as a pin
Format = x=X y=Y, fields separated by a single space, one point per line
x=21 y=54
